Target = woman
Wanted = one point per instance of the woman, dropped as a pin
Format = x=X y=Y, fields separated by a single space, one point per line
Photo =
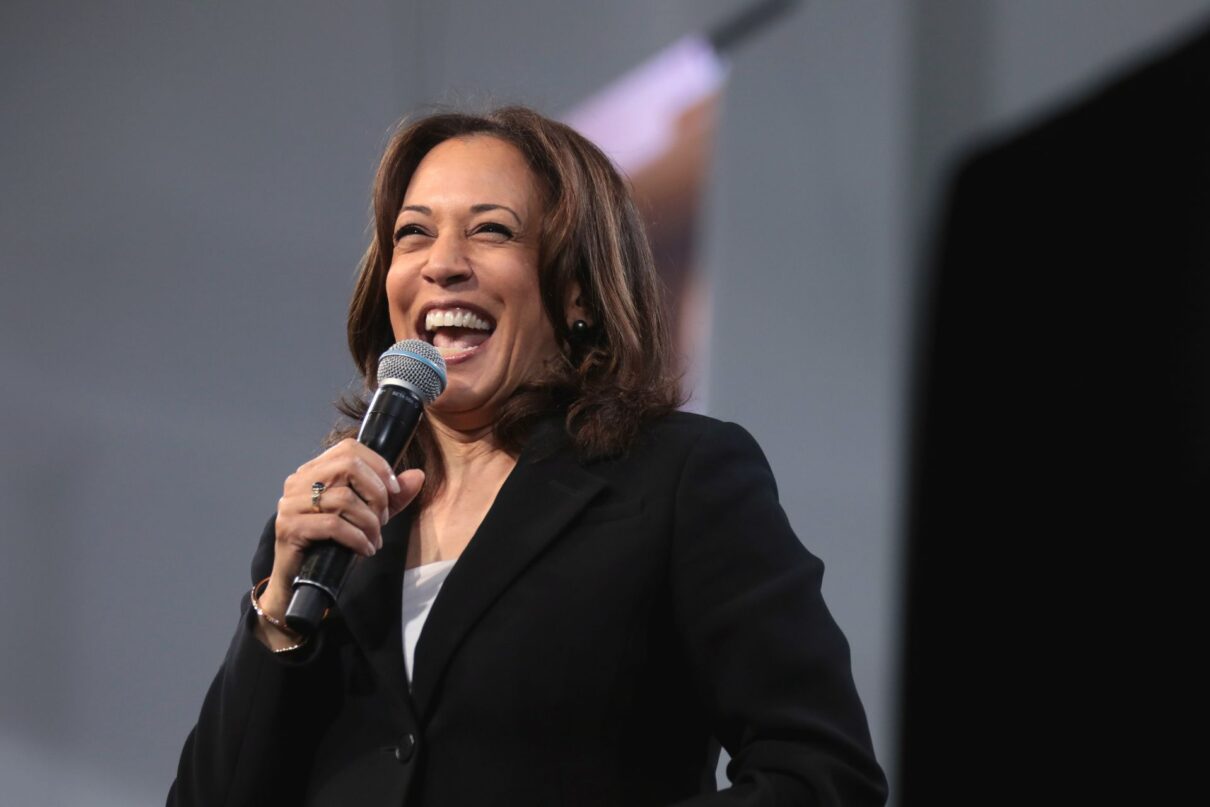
x=618 y=584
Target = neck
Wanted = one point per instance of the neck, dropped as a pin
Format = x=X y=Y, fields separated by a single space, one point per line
x=469 y=454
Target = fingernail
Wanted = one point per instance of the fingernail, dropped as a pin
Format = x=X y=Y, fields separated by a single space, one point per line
x=385 y=517
x=393 y=484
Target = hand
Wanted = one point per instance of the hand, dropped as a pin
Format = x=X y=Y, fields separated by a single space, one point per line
x=361 y=496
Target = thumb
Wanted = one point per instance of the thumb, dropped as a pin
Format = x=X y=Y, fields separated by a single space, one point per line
x=410 y=483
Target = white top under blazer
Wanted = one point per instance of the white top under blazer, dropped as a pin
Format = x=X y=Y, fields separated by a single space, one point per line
x=420 y=588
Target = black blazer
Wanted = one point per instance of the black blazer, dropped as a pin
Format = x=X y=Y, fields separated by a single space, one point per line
x=605 y=622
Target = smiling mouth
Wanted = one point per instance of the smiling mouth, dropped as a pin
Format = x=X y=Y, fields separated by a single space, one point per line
x=455 y=331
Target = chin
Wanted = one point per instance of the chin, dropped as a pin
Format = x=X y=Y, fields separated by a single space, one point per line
x=462 y=401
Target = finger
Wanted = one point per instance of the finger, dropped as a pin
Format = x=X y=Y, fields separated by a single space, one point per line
x=302 y=531
x=367 y=483
x=347 y=468
x=375 y=463
x=344 y=502
x=341 y=502
x=329 y=467
x=410 y=482
x=343 y=531
x=373 y=471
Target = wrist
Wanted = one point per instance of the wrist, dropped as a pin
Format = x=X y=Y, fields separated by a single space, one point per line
x=274 y=598
x=272 y=629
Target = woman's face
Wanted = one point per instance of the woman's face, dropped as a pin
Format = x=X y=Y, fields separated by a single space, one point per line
x=464 y=273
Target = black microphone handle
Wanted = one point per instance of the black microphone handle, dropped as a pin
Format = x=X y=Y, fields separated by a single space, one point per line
x=387 y=428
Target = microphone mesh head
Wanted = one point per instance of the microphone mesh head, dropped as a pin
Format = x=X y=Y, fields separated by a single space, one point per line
x=416 y=365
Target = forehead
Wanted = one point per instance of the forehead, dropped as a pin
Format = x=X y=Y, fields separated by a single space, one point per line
x=473 y=170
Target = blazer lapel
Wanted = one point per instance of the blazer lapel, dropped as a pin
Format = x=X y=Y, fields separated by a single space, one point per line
x=544 y=492
x=370 y=604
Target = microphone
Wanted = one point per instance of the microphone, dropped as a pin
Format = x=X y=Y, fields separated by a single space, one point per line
x=411 y=374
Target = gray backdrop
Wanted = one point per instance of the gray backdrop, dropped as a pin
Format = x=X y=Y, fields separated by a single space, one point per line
x=184 y=202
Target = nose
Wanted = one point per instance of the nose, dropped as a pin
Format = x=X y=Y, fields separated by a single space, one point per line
x=448 y=262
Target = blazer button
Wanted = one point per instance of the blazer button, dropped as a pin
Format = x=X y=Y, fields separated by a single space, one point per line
x=406 y=748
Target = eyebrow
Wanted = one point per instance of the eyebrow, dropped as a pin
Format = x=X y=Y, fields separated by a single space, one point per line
x=484 y=208
x=479 y=208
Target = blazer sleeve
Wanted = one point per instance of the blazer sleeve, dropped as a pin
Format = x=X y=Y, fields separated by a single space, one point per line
x=769 y=662
x=245 y=744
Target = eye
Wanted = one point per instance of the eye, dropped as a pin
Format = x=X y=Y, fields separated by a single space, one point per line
x=495 y=229
x=406 y=230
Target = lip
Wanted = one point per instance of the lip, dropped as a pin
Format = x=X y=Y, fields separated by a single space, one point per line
x=452 y=359
x=464 y=355
x=452 y=303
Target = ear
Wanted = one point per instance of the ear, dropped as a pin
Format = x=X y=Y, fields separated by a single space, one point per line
x=573 y=306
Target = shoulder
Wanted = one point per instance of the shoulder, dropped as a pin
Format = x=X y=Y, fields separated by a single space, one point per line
x=684 y=445
x=688 y=434
x=685 y=429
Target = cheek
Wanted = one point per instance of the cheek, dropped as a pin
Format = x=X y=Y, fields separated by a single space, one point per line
x=400 y=293
x=539 y=334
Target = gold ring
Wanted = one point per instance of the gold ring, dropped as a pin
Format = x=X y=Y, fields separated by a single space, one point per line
x=316 y=491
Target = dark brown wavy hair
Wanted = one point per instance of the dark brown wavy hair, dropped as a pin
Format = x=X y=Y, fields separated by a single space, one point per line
x=606 y=386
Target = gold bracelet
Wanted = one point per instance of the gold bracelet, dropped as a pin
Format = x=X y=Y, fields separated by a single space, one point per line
x=298 y=639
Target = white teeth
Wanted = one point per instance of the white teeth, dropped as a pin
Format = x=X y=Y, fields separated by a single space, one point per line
x=454 y=318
